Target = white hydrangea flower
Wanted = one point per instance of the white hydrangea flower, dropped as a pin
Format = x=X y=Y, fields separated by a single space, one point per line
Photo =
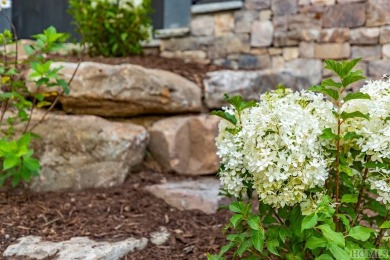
x=278 y=146
x=311 y=204
x=282 y=146
x=230 y=151
x=375 y=133
x=383 y=189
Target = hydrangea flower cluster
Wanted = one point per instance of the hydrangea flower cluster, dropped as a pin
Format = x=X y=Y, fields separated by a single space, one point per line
x=278 y=147
x=375 y=133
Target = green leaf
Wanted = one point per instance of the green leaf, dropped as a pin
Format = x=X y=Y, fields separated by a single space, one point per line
x=272 y=245
x=334 y=66
x=324 y=257
x=349 y=65
x=338 y=252
x=360 y=233
x=346 y=169
x=226 y=248
x=316 y=242
x=234 y=101
x=332 y=236
x=31 y=164
x=244 y=247
x=328 y=134
x=356 y=95
x=385 y=224
x=296 y=221
x=236 y=207
x=24 y=140
x=331 y=83
x=349 y=198
x=345 y=115
x=229 y=117
x=351 y=78
x=309 y=221
x=345 y=221
x=10 y=162
x=258 y=239
x=352 y=135
x=283 y=234
x=254 y=222
x=334 y=94
x=236 y=219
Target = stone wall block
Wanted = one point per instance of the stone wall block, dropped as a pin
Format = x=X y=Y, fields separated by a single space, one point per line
x=378 y=68
x=366 y=52
x=283 y=7
x=303 y=21
x=378 y=12
x=334 y=35
x=282 y=39
x=262 y=33
x=385 y=35
x=323 y=2
x=332 y=51
x=290 y=53
x=243 y=20
x=306 y=49
x=202 y=25
x=224 y=24
x=345 y=15
x=365 y=36
x=386 y=52
x=229 y=44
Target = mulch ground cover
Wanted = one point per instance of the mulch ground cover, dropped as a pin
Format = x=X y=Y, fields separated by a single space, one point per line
x=118 y=212
x=112 y=214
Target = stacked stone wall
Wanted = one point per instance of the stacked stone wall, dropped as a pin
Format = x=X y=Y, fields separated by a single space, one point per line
x=270 y=34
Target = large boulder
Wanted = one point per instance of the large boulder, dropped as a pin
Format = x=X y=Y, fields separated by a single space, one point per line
x=298 y=74
x=126 y=90
x=185 y=144
x=78 y=152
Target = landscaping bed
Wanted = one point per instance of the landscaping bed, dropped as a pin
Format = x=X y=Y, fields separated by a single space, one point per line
x=110 y=215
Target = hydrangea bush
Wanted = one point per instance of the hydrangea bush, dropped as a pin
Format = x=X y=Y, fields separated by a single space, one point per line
x=318 y=161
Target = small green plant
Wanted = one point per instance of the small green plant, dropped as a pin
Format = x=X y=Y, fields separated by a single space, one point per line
x=112 y=28
x=319 y=166
x=18 y=103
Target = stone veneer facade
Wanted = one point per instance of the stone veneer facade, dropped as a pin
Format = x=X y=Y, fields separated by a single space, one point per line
x=268 y=34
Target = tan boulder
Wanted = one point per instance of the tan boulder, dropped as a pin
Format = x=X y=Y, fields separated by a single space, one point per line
x=126 y=90
x=78 y=152
x=185 y=145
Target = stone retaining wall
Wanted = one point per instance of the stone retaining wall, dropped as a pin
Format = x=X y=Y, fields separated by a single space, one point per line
x=268 y=34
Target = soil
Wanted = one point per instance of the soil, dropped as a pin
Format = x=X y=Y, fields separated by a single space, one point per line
x=112 y=214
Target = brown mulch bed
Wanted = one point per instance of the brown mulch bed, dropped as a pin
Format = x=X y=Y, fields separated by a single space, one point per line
x=194 y=72
x=112 y=214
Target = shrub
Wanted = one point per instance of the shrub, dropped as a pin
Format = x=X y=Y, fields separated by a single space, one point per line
x=319 y=161
x=112 y=27
x=18 y=103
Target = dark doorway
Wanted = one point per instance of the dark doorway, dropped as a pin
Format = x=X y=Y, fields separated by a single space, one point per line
x=32 y=17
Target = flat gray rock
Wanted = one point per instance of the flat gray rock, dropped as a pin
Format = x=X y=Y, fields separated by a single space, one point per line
x=200 y=194
x=32 y=247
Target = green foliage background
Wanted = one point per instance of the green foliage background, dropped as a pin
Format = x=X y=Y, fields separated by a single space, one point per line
x=112 y=29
